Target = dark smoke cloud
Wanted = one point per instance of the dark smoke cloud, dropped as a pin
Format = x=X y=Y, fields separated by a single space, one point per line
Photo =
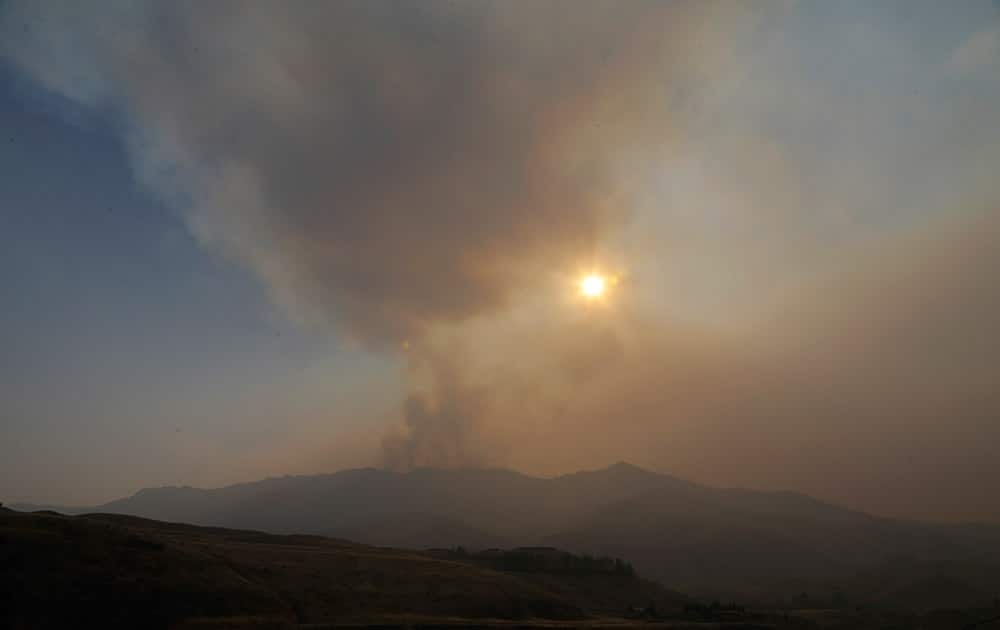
x=387 y=168
x=441 y=427
x=383 y=166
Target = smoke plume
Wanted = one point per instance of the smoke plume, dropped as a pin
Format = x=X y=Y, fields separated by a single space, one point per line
x=800 y=201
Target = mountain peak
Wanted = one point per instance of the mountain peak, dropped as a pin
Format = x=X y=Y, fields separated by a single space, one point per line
x=620 y=469
x=623 y=466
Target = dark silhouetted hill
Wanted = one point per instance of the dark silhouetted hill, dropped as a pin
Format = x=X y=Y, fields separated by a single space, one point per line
x=114 y=571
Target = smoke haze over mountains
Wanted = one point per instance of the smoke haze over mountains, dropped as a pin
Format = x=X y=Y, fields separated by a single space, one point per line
x=799 y=200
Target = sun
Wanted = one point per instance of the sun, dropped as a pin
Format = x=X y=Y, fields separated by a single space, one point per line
x=592 y=286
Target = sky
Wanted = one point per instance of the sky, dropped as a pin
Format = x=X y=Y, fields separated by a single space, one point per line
x=248 y=239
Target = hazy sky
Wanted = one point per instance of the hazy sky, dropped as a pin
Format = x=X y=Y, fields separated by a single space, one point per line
x=244 y=239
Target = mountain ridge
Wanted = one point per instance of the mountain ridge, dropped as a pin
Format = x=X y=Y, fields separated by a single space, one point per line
x=710 y=542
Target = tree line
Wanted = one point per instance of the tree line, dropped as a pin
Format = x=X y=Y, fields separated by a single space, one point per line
x=539 y=560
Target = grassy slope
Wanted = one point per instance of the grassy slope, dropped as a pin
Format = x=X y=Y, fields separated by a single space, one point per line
x=57 y=571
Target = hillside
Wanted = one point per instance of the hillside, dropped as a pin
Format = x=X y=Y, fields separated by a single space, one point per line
x=767 y=547
x=104 y=570
x=773 y=547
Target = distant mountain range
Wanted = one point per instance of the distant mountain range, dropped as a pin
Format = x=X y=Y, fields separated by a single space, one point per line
x=764 y=547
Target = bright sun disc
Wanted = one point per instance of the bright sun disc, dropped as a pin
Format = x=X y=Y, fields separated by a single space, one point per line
x=592 y=286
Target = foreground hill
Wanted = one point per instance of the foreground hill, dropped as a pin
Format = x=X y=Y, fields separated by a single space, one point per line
x=104 y=570
x=769 y=547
